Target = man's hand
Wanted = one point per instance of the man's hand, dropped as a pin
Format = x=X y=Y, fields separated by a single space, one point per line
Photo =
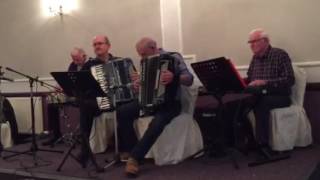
x=257 y=82
x=166 y=77
x=135 y=78
x=58 y=89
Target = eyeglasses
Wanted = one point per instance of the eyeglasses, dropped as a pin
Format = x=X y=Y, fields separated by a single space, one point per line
x=255 y=41
x=98 y=43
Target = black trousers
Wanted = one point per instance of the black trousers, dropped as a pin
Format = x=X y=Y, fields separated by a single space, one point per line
x=262 y=108
x=265 y=99
x=54 y=120
x=126 y=114
x=88 y=110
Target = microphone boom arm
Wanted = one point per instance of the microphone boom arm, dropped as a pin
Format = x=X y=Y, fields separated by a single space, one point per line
x=42 y=83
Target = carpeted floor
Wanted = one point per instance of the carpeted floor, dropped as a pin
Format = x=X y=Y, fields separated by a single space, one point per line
x=299 y=167
x=316 y=173
x=12 y=176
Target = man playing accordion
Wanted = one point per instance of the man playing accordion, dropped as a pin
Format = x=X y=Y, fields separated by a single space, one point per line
x=91 y=107
x=171 y=78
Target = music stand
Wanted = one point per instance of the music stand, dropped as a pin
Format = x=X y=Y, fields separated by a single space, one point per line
x=219 y=76
x=80 y=84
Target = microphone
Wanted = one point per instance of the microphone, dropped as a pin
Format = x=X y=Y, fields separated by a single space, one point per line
x=4 y=78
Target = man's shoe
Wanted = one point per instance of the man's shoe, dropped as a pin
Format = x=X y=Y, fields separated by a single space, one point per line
x=132 y=168
x=83 y=159
x=124 y=156
x=1 y=148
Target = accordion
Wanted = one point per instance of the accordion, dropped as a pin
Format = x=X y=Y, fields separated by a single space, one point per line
x=152 y=93
x=114 y=79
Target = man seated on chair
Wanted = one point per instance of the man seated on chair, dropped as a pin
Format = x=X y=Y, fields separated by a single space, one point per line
x=270 y=77
x=166 y=112
x=79 y=58
x=89 y=107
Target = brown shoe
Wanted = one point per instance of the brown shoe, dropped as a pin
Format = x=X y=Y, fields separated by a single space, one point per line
x=124 y=156
x=132 y=168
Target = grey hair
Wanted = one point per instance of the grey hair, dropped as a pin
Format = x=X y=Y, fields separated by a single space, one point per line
x=262 y=33
x=147 y=42
x=79 y=50
x=107 y=40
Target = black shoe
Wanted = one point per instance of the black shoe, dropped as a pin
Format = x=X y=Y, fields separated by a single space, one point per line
x=1 y=148
x=83 y=159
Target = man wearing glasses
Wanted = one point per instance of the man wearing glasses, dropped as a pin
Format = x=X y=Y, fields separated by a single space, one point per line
x=270 y=77
x=89 y=107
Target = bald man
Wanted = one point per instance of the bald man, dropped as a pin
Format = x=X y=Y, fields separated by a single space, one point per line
x=172 y=79
x=148 y=47
x=270 y=77
x=89 y=107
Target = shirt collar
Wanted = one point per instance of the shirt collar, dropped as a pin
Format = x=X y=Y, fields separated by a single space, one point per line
x=265 y=54
x=111 y=57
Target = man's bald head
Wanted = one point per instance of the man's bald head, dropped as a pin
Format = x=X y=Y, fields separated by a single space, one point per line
x=146 y=47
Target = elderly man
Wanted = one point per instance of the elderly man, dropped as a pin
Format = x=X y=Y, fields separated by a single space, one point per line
x=89 y=107
x=172 y=79
x=270 y=77
x=79 y=58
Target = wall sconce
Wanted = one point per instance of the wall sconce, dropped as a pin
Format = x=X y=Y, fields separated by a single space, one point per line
x=56 y=11
x=58 y=7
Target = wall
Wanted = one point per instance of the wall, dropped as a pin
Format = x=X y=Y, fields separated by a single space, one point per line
x=212 y=28
x=36 y=45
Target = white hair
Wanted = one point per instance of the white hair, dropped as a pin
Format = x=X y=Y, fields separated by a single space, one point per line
x=262 y=33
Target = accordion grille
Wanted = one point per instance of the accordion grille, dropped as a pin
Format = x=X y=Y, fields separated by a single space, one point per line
x=104 y=103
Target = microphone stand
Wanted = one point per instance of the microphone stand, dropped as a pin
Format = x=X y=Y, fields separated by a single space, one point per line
x=34 y=147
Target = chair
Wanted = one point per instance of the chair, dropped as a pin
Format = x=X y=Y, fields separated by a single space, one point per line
x=6 y=138
x=181 y=138
x=290 y=126
x=101 y=132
